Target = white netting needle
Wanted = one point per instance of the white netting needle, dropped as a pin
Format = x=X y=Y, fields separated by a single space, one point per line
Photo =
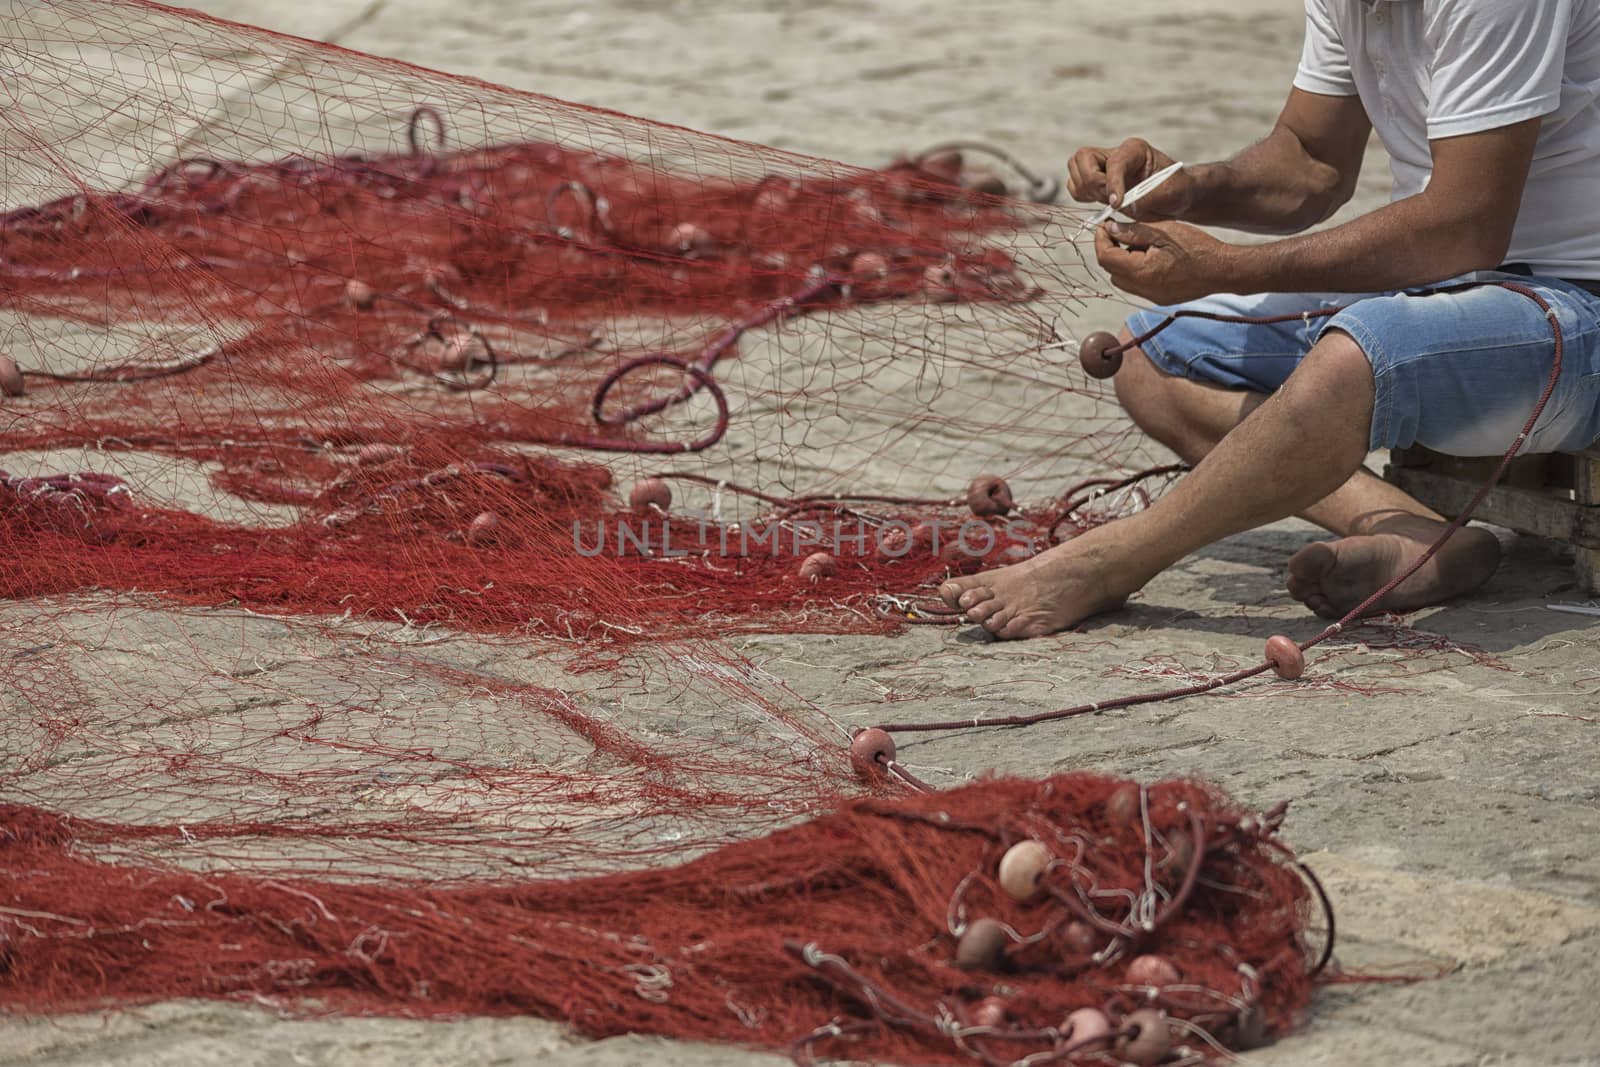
x=1144 y=187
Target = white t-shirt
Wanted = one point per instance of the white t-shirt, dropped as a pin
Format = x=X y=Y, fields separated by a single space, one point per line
x=1429 y=69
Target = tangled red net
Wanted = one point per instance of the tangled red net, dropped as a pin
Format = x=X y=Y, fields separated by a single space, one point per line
x=890 y=930
x=387 y=457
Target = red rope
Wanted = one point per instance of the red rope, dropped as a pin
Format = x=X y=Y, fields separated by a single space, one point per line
x=718 y=347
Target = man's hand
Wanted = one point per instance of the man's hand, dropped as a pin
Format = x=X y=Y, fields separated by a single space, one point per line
x=1165 y=262
x=1104 y=176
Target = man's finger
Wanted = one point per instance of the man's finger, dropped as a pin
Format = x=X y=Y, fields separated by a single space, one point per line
x=1166 y=201
x=1086 y=175
x=1113 y=258
x=1135 y=235
x=1125 y=167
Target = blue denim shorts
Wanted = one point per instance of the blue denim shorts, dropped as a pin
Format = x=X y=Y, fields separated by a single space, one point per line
x=1456 y=369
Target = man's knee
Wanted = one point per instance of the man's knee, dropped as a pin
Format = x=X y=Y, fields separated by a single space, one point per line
x=1334 y=382
x=1338 y=359
x=1138 y=383
x=1157 y=402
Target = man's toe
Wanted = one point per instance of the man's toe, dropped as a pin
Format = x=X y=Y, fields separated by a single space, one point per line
x=950 y=592
x=997 y=620
x=975 y=596
x=985 y=610
x=1322 y=606
x=1310 y=565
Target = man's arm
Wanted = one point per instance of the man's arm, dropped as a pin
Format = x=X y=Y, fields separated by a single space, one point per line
x=1461 y=222
x=1295 y=177
x=1495 y=68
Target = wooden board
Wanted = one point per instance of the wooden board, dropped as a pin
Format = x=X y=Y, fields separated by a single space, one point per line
x=1548 y=496
x=1587 y=490
x=1524 y=510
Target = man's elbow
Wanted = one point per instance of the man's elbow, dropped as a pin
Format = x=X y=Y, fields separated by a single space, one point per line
x=1485 y=240
x=1321 y=202
x=1332 y=199
x=1467 y=232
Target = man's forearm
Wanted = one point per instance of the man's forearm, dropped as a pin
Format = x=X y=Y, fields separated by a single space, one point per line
x=1274 y=186
x=1412 y=242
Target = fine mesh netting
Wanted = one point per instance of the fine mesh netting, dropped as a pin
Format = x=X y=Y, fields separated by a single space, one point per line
x=387 y=457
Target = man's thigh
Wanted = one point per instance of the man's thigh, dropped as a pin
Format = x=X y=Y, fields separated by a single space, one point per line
x=1258 y=356
x=1457 y=369
x=1460 y=369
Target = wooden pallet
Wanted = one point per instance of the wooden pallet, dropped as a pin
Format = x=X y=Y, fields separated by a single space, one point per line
x=1555 y=496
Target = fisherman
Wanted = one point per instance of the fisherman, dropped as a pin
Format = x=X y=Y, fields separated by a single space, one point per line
x=1488 y=110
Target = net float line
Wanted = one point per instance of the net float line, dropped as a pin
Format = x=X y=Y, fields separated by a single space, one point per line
x=1041 y=189
x=1100 y=354
x=1285 y=656
x=805 y=498
x=1047 y=518
x=1096 y=488
x=714 y=350
x=136 y=372
x=701 y=375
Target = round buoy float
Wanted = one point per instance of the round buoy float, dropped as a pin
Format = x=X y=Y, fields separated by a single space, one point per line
x=690 y=239
x=894 y=542
x=1180 y=850
x=872 y=749
x=1022 y=869
x=1151 y=970
x=484 y=529
x=1146 y=1038
x=982 y=946
x=959 y=559
x=869 y=265
x=1086 y=1030
x=817 y=566
x=455 y=354
x=990 y=1011
x=11 y=383
x=946 y=166
x=939 y=282
x=988 y=495
x=986 y=182
x=1286 y=657
x=1096 y=357
x=358 y=295
x=650 y=493
x=1122 y=806
x=1080 y=938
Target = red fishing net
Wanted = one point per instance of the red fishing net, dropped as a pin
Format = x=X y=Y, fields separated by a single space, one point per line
x=891 y=929
x=387 y=456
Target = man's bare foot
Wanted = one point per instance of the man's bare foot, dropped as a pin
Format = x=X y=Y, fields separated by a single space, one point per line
x=1332 y=577
x=1050 y=592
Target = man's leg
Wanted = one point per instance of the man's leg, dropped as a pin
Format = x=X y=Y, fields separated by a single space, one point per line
x=1298 y=446
x=1381 y=527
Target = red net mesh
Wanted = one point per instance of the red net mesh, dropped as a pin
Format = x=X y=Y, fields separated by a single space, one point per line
x=387 y=455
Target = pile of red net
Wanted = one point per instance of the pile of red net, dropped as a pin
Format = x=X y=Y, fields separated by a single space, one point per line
x=384 y=459
x=1152 y=922
x=398 y=321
